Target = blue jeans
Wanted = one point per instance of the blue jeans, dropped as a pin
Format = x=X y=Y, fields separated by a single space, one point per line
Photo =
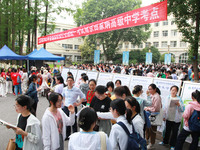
x=18 y=89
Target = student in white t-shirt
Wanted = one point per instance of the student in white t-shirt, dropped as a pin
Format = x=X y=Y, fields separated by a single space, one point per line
x=88 y=139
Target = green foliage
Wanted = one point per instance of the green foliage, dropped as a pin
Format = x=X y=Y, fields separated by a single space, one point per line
x=117 y=59
x=93 y=10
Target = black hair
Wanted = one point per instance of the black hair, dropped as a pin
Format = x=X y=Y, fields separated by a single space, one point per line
x=83 y=74
x=60 y=78
x=196 y=95
x=137 y=89
x=120 y=107
x=174 y=86
x=86 y=118
x=85 y=77
x=133 y=102
x=122 y=90
x=70 y=77
x=100 y=89
x=15 y=70
x=120 y=82
x=25 y=100
x=110 y=84
x=92 y=80
x=53 y=97
x=69 y=73
x=155 y=87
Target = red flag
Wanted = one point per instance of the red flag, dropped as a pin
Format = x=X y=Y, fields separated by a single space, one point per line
x=145 y=15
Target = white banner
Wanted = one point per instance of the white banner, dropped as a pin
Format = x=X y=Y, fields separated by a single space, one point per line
x=92 y=75
x=64 y=73
x=164 y=85
x=104 y=78
x=78 y=77
x=139 y=80
x=125 y=79
x=74 y=72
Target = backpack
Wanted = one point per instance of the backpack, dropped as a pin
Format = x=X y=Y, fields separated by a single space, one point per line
x=135 y=141
x=194 y=121
x=18 y=79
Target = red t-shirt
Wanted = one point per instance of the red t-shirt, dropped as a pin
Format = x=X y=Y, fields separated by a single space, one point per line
x=14 y=78
x=3 y=75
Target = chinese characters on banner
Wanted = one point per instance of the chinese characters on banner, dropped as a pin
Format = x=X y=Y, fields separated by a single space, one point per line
x=148 y=58
x=144 y=15
x=167 y=59
x=96 y=56
x=125 y=57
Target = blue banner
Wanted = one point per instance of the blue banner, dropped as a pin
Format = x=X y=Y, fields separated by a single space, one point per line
x=167 y=59
x=125 y=57
x=148 y=58
x=96 y=56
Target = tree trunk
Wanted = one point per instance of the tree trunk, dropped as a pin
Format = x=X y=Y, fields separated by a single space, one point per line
x=45 y=24
x=35 y=25
x=195 y=49
x=29 y=32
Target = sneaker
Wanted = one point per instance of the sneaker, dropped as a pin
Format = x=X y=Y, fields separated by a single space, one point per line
x=161 y=143
x=150 y=146
x=172 y=148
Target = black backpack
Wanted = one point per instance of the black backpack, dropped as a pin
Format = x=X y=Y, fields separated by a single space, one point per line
x=135 y=141
x=194 y=121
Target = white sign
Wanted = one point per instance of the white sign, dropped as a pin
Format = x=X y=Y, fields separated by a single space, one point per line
x=92 y=75
x=104 y=78
x=125 y=79
x=74 y=72
x=78 y=77
x=164 y=85
x=64 y=73
x=138 y=80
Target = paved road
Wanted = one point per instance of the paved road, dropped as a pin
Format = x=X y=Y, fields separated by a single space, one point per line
x=8 y=113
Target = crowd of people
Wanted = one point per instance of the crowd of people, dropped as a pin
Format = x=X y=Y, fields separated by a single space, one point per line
x=108 y=113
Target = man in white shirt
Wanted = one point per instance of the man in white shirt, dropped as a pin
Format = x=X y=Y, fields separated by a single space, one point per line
x=70 y=95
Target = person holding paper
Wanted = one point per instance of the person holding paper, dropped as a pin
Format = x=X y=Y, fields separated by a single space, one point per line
x=173 y=110
x=54 y=122
x=28 y=133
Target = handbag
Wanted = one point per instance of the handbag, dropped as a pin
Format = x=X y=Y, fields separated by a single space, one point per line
x=156 y=118
x=11 y=145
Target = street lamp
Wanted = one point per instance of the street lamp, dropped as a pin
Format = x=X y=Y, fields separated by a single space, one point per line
x=126 y=45
x=168 y=48
x=98 y=43
x=149 y=47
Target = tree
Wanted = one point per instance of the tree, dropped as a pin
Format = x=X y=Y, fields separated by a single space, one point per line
x=93 y=10
x=135 y=56
x=187 y=19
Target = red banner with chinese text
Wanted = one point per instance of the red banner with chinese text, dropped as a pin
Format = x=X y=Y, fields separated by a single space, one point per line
x=145 y=15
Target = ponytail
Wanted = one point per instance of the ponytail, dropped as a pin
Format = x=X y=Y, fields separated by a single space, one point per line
x=120 y=107
x=196 y=95
x=133 y=102
x=155 y=88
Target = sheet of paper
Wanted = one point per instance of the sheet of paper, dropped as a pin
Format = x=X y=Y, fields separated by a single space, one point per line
x=173 y=103
x=7 y=124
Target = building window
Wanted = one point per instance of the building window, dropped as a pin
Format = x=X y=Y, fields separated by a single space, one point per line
x=140 y=46
x=65 y=29
x=173 y=32
x=173 y=43
x=156 y=44
x=147 y=44
x=165 y=23
x=183 y=44
x=183 y=58
x=132 y=45
x=165 y=33
x=76 y=46
x=78 y=58
x=120 y=46
x=79 y=39
x=67 y=46
x=156 y=34
x=164 y=44
x=156 y=24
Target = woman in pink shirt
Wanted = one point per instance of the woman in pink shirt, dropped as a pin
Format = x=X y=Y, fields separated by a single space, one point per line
x=153 y=93
x=194 y=105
